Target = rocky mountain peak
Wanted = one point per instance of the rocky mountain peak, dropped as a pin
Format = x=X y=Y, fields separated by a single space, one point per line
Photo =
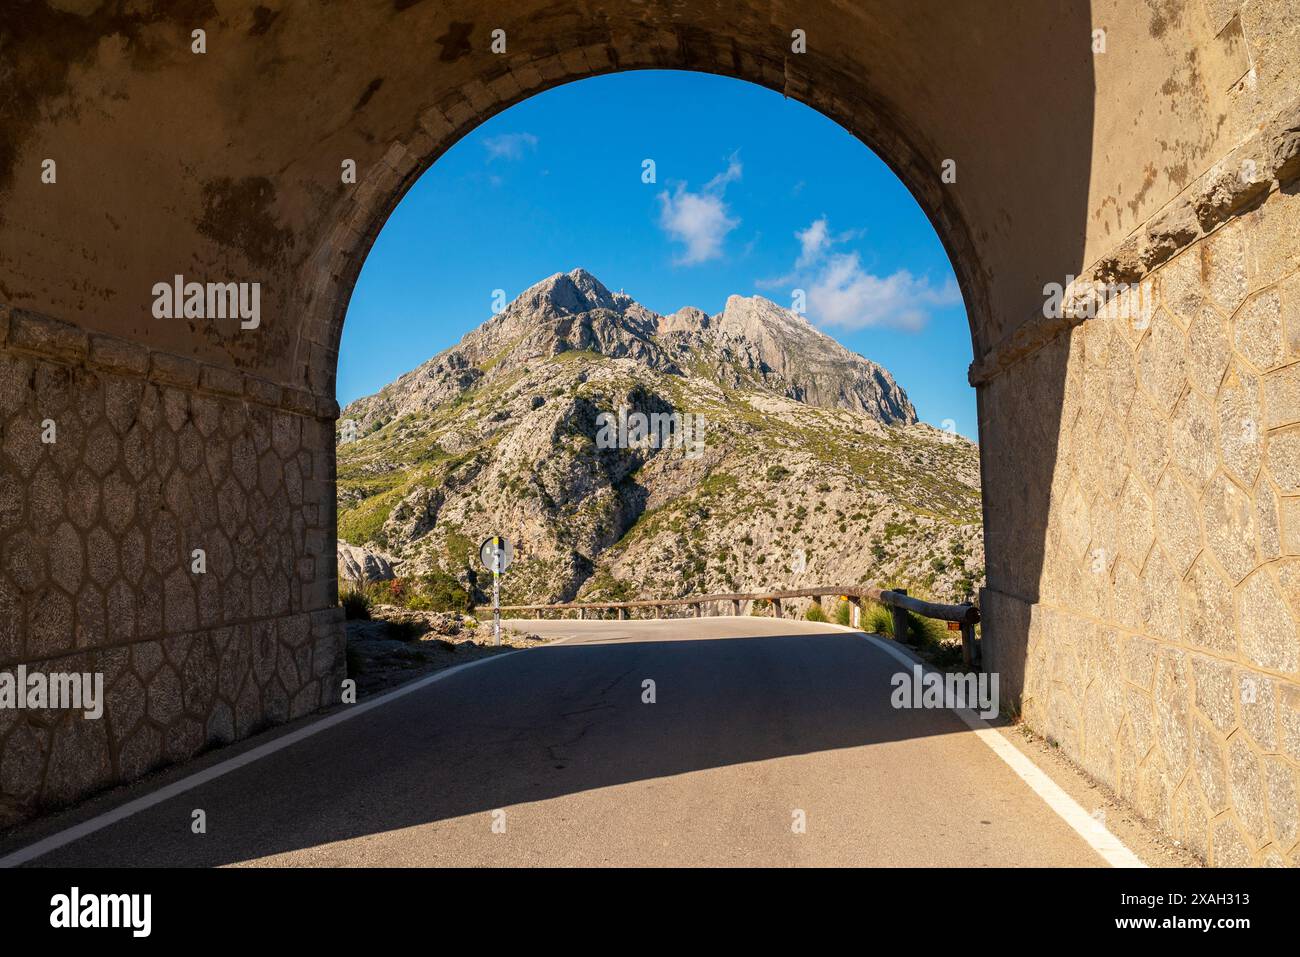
x=756 y=340
x=745 y=313
x=752 y=343
x=568 y=293
x=686 y=319
x=499 y=435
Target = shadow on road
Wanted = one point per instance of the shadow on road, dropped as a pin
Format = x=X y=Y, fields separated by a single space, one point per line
x=531 y=726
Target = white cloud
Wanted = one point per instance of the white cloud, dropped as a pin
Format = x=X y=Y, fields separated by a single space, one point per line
x=728 y=175
x=813 y=241
x=843 y=294
x=700 y=221
x=510 y=146
x=697 y=220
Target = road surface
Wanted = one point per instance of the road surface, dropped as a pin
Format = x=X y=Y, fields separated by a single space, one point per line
x=550 y=756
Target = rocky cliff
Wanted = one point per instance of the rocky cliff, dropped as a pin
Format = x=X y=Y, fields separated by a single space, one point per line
x=793 y=460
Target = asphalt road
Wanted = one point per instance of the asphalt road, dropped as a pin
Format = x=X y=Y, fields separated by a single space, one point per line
x=550 y=757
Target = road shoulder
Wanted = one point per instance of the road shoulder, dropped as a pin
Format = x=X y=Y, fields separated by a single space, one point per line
x=1118 y=816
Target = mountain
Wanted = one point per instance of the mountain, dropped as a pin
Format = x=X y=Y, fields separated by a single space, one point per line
x=796 y=461
x=752 y=343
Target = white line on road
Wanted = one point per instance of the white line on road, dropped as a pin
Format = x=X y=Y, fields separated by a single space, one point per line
x=130 y=808
x=1111 y=849
x=1096 y=834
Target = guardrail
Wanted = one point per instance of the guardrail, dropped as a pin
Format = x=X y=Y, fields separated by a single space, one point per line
x=965 y=615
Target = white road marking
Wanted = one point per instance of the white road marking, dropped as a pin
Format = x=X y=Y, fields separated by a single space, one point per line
x=1098 y=837
x=1111 y=849
x=131 y=808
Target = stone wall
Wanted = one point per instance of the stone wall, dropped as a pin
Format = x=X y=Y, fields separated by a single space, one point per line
x=1136 y=582
x=1163 y=650
x=153 y=457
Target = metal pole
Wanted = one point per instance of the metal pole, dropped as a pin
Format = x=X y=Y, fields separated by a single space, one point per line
x=496 y=591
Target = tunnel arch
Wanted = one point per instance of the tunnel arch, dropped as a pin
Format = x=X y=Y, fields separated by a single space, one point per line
x=413 y=212
x=1121 y=577
x=361 y=214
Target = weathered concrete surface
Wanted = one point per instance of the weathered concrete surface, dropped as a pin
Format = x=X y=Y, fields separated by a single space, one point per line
x=1097 y=438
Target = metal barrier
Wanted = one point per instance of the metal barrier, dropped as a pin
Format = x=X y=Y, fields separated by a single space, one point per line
x=965 y=615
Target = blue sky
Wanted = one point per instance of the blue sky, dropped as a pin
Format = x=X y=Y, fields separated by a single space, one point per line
x=754 y=194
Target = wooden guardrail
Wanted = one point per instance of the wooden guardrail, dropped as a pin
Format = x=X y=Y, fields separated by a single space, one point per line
x=965 y=615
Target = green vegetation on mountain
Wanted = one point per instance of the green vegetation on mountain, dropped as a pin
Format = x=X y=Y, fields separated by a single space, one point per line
x=809 y=467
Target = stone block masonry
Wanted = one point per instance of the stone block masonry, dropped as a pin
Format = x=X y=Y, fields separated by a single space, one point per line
x=1163 y=653
x=1141 y=484
x=149 y=458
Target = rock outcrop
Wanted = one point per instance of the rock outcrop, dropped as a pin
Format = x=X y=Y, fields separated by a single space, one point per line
x=754 y=336
x=793 y=461
x=362 y=565
x=751 y=342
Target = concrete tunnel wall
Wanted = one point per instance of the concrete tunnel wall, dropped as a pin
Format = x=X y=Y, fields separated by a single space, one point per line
x=1141 y=541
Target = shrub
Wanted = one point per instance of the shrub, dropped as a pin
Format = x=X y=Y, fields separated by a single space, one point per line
x=434 y=592
x=445 y=593
x=876 y=619
x=937 y=644
x=815 y=613
x=418 y=601
x=843 y=613
x=355 y=603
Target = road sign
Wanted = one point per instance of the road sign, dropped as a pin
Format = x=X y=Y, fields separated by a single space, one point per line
x=496 y=553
